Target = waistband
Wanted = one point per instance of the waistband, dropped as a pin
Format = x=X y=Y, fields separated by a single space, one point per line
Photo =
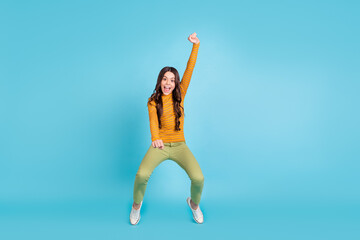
x=174 y=144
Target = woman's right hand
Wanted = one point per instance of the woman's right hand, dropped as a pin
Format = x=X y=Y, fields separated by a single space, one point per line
x=158 y=144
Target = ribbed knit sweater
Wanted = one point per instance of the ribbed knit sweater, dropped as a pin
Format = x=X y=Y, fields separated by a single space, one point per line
x=167 y=133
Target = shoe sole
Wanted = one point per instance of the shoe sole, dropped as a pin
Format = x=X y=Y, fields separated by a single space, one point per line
x=188 y=202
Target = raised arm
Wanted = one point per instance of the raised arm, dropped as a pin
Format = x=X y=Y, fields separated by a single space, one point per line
x=185 y=81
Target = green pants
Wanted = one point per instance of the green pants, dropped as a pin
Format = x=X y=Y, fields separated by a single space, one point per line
x=178 y=152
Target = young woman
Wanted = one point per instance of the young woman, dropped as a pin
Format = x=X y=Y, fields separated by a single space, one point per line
x=166 y=114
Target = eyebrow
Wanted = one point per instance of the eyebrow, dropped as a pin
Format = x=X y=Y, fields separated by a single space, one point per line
x=172 y=77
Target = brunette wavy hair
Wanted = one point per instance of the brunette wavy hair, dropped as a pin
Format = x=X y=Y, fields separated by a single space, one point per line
x=176 y=95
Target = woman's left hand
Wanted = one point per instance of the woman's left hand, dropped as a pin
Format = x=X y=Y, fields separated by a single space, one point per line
x=193 y=38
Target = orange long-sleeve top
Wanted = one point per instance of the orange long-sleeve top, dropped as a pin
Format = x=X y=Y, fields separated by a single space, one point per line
x=167 y=133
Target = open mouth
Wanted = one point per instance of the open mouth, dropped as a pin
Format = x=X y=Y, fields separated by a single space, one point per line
x=166 y=89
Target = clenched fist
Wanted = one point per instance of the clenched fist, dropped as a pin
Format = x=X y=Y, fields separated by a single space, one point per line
x=193 y=38
x=158 y=144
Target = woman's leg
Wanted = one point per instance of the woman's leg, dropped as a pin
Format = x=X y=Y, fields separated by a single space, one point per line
x=152 y=158
x=182 y=155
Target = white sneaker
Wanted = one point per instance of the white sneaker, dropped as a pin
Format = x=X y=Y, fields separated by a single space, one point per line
x=197 y=214
x=135 y=215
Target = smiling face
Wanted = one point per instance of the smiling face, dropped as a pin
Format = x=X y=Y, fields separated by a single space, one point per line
x=168 y=83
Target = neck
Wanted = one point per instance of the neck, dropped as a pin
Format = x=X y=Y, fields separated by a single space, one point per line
x=170 y=94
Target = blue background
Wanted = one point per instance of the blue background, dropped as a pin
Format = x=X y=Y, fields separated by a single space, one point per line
x=272 y=114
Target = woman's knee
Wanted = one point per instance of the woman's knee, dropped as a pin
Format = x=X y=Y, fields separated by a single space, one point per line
x=199 y=178
x=142 y=176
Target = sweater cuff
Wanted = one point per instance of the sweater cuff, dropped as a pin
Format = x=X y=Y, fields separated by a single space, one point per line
x=155 y=138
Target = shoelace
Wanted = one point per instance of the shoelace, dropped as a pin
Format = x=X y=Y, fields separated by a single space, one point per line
x=135 y=212
x=198 y=213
